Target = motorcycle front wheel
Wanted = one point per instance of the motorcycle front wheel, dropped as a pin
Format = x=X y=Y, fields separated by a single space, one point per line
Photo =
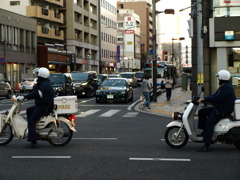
x=64 y=134
x=175 y=141
x=6 y=135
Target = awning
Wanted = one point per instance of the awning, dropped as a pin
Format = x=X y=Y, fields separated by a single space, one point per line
x=58 y=63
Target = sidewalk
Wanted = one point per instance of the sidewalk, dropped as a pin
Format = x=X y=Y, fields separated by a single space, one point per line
x=166 y=108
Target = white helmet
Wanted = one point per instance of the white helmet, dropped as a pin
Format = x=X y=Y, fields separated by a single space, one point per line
x=42 y=72
x=223 y=75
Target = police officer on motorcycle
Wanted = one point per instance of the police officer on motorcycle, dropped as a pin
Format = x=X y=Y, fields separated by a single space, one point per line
x=43 y=94
x=223 y=104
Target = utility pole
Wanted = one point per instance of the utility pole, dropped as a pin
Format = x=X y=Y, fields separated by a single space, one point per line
x=200 y=75
x=154 y=62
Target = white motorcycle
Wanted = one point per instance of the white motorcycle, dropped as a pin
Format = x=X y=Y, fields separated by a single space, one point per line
x=226 y=131
x=57 y=130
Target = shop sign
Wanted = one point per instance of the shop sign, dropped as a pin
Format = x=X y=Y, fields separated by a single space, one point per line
x=229 y=35
x=111 y=64
x=2 y=60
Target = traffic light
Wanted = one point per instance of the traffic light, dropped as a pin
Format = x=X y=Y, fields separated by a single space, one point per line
x=190 y=28
x=165 y=55
x=169 y=11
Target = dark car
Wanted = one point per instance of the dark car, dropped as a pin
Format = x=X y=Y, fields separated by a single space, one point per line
x=85 y=83
x=5 y=87
x=115 y=89
x=62 y=84
x=139 y=76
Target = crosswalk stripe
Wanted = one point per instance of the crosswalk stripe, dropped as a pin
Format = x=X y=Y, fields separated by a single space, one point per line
x=87 y=113
x=109 y=113
x=131 y=114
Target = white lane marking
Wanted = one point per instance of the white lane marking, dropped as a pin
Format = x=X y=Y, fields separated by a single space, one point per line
x=41 y=157
x=131 y=114
x=87 y=113
x=109 y=113
x=107 y=139
x=84 y=101
x=157 y=159
x=133 y=104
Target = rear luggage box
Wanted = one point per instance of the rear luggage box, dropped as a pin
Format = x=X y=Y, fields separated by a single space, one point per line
x=66 y=104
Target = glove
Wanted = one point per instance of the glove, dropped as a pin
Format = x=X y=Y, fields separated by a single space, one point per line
x=21 y=98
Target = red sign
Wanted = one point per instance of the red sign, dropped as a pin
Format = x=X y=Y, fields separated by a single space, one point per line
x=84 y=61
x=129 y=31
x=229 y=1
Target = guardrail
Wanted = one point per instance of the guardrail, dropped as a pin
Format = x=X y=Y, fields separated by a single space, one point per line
x=159 y=91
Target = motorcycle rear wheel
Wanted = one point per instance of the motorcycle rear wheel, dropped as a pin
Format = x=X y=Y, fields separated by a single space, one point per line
x=172 y=140
x=6 y=135
x=65 y=134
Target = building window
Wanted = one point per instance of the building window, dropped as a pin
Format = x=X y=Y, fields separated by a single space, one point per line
x=224 y=8
x=14 y=3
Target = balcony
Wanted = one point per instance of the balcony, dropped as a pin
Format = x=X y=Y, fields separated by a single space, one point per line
x=57 y=2
x=57 y=34
x=38 y=12
x=56 y=17
x=43 y=32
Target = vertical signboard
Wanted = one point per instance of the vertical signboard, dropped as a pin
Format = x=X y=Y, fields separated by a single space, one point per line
x=129 y=36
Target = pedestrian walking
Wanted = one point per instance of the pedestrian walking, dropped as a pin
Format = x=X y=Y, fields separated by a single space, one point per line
x=168 y=86
x=146 y=89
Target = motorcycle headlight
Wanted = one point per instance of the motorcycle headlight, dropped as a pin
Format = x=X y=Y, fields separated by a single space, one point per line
x=177 y=115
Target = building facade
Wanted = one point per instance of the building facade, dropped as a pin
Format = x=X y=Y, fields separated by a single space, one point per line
x=221 y=43
x=18 y=47
x=129 y=40
x=108 y=37
x=145 y=12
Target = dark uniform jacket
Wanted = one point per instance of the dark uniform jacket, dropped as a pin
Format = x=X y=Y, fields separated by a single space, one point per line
x=223 y=99
x=47 y=91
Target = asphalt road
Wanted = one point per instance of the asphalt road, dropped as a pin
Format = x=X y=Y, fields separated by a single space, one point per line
x=114 y=141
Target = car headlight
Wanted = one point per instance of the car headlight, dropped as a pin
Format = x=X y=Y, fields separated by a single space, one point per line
x=99 y=92
x=59 y=89
x=84 y=84
x=122 y=92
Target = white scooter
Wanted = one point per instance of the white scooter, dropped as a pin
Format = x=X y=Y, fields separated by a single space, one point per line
x=226 y=131
x=57 y=130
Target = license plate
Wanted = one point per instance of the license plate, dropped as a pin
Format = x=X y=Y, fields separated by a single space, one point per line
x=110 y=96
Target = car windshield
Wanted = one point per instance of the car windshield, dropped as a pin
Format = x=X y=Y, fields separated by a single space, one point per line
x=112 y=76
x=79 y=76
x=126 y=75
x=56 y=79
x=28 y=80
x=139 y=75
x=114 y=82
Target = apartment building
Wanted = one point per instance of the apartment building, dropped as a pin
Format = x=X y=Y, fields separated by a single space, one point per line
x=108 y=37
x=50 y=30
x=18 y=55
x=144 y=9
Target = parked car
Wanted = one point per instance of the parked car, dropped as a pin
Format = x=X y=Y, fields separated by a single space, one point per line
x=85 y=83
x=27 y=84
x=5 y=88
x=115 y=89
x=139 y=76
x=131 y=76
x=114 y=76
x=101 y=78
x=62 y=84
